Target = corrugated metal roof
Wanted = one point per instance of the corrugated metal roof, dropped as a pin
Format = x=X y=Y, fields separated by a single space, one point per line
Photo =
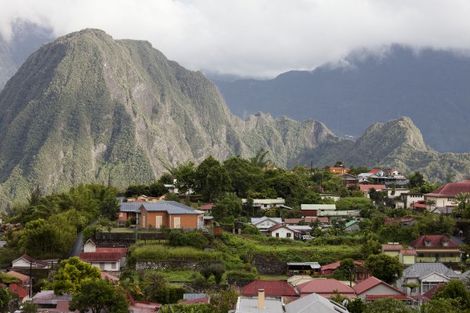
x=171 y=207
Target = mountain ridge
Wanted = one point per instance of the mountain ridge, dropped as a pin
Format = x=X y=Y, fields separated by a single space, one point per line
x=117 y=112
x=430 y=86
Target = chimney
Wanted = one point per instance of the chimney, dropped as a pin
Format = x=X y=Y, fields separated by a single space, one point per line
x=261 y=304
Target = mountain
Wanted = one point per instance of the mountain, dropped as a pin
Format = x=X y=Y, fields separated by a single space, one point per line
x=26 y=37
x=430 y=86
x=88 y=108
x=397 y=143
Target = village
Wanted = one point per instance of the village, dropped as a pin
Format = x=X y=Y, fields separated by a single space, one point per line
x=242 y=236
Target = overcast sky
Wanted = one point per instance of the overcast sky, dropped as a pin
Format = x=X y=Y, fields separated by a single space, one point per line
x=259 y=38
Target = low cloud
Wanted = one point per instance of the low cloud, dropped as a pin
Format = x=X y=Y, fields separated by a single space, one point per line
x=259 y=38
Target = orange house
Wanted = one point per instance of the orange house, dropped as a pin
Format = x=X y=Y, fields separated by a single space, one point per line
x=169 y=214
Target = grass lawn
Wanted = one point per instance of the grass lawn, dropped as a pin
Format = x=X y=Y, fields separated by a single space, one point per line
x=177 y=276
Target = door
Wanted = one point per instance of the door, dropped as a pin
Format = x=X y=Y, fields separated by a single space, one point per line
x=176 y=222
x=158 y=221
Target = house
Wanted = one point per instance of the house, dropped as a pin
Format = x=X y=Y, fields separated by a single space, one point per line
x=21 y=287
x=299 y=280
x=410 y=198
x=283 y=231
x=302 y=231
x=266 y=204
x=404 y=221
x=26 y=262
x=272 y=288
x=396 y=192
x=265 y=223
x=207 y=208
x=419 y=278
x=349 y=180
x=360 y=271
x=327 y=288
x=407 y=256
x=316 y=209
x=107 y=259
x=338 y=170
x=387 y=176
x=366 y=188
x=373 y=288
x=392 y=249
x=53 y=303
x=443 y=199
x=437 y=248
x=307 y=220
x=259 y=304
x=308 y=268
x=352 y=226
x=170 y=214
x=315 y=303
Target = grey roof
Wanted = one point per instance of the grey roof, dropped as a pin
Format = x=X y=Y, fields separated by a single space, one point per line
x=250 y=305
x=465 y=276
x=171 y=207
x=314 y=303
x=257 y=220
x=192 y=296
x=422 y=269
x=48 y=296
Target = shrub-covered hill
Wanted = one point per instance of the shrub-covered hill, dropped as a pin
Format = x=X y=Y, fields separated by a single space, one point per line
x=88 y=108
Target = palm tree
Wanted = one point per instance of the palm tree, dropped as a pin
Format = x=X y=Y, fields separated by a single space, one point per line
x=259 y=159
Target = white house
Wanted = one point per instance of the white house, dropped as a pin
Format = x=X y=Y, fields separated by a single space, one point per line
x=27 y=262
x=264 y=223
x=108 y=259
x=316 y=209
x=282 y=231
x=266 y=204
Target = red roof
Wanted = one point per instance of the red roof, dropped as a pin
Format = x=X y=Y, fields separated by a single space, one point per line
x=370 y=283
x=272 y=288
x=375 y=171
x=123 y=251
x=434 y=241
x=408 y=252
x=419 y=205
x=293 y=220
x=207 y=206
x=22 y=277
x=325 y=286
x=451 y=189
x=392 y=247
x=368 y=187
x=335 y=265
x=100 y=256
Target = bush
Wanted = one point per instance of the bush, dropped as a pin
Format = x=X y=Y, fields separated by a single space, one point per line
x=192 y=239
x=240 y=278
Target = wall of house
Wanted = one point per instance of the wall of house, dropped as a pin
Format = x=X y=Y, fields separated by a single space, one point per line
x=108 y=266
x=89 y=247
x=266 y=224
x=149 y=219
x=187 y=221
x=282 y=233
x=392 y=253
x=379 y=290
x=408 y=259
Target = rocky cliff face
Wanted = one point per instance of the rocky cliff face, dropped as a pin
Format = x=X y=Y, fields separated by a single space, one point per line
x=88 y=108
x=397 y=143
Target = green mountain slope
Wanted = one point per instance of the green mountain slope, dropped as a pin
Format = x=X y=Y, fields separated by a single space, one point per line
x=398 y=143
x=88 y=108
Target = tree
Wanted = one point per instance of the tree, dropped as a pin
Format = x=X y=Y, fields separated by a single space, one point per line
x=347 y=268
x=98 y=296
x=356 y=306
x=29 y=307
x=463 y=208
x=224 y=300
x=416 y=180
x=456 y=290
x=70 y=275
x=354 y=203
x=440 y=306
x=184 y=175
x=212 y=180
x=259 y=159
x=387 y=306
x=384 y=267
x=5 y=298
x=227 y=206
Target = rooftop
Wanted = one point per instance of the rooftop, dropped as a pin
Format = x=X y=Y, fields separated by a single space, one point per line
x=325 y=286
x=435 y=241
x=314 y=303
x=250 y=305
x=451 y=189
x=369 y=283
x=422 y=269
x=272 y=288
x=172 y=207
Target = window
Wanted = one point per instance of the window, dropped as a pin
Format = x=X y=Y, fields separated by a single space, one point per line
x=158 y=221
x=113 y=265
x=102 y=266
x=277 y=235
x=289 y=235
x=177 y=222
